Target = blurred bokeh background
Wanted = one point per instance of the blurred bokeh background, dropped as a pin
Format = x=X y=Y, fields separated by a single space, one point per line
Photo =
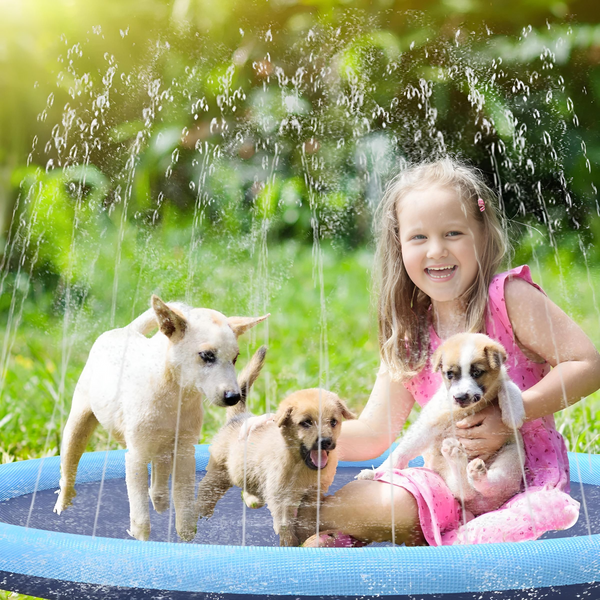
x=230 y=154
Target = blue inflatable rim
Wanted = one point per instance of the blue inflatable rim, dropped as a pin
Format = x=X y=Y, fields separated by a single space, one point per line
x=369 y=571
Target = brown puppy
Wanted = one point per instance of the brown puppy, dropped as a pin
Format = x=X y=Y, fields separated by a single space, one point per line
x=472 y=365
x=285 y=463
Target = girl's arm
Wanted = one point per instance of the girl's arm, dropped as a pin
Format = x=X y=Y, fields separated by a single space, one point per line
x=379 y=423
x=546 y=331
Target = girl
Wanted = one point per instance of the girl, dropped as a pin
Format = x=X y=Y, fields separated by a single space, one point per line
x=440 y=244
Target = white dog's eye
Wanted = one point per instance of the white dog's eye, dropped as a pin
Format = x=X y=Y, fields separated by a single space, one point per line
x=450 y=375
x=306 y=423
x=208 y=356
x=476 y=373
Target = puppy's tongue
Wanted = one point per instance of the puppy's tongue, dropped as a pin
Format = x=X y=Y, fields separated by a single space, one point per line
x=319 y=459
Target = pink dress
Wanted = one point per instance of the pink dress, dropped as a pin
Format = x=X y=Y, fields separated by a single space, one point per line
x=544 y=505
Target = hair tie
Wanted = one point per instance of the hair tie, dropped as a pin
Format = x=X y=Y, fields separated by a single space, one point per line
x=481 y=204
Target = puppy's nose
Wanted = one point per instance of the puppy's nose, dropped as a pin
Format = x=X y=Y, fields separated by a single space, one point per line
x=231 y=398
x=462 y=399
x=327 y=444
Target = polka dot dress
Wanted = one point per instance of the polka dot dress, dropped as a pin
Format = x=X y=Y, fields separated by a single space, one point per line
x=544 y=504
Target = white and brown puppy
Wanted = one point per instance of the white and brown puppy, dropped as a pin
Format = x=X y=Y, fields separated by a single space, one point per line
x=285 y=463
x=147 y=392
x=474 y=375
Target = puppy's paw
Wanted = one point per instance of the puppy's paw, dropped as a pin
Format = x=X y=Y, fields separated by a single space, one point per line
x=366 y=475
x=287 y=537
x=453 y=450
x=476 y=470
x=252 y=501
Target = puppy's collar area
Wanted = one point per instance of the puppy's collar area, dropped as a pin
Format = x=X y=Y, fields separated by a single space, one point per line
x=314 y=459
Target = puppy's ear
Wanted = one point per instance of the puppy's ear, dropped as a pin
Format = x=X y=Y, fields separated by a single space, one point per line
x=495 y=354
x=436 y=360
x=242 y=324
x=346 y=412
x=171 y=323
x=283 y=415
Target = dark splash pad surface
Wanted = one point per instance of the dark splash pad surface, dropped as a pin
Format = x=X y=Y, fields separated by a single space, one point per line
x=58 y=551
x=225 y=527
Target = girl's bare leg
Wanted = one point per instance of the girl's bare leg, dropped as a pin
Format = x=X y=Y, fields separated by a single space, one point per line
x=371 y=511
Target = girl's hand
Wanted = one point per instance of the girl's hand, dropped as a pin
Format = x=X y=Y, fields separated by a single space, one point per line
x=484 y=433
x=251 y=423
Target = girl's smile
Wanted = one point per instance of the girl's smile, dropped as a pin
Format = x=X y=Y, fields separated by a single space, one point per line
x=440 y=242
x=443 y=273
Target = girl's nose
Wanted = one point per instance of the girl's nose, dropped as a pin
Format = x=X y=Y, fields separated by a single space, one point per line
x=436 y=249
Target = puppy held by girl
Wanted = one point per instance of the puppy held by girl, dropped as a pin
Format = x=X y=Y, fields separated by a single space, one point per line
x=474 y=376
x=441 y=244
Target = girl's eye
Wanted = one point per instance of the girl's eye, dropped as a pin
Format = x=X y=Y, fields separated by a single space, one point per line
x=208 y=357
x=306 y=423
x=454 y=233
x=450 y=375
x=419 y=236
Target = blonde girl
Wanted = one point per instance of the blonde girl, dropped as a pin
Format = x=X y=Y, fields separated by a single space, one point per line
x=440 y=244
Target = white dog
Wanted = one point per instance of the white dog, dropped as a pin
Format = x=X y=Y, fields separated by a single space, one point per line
x=147 y=392
x=472 y=365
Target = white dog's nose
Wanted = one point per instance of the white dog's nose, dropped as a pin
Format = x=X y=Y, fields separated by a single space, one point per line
x=231 y=398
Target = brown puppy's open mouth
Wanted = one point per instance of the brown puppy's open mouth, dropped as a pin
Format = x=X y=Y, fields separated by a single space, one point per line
x=314 y=459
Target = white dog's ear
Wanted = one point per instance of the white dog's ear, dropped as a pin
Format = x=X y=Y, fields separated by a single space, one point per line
x=242 y=324
x=171 y=323
x=511 y=403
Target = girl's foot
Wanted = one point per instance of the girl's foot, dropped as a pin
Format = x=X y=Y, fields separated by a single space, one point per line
x=332 y=539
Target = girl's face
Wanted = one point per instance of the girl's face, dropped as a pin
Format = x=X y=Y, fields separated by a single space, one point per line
x=440 y=242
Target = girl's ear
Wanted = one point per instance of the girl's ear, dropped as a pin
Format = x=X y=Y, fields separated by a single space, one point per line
x=495 y=354
x=436 y=360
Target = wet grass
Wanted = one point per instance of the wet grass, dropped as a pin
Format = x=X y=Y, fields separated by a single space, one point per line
x=46 y=362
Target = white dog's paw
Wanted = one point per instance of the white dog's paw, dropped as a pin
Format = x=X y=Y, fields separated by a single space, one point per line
x=366 y=475
x=187 y=532
x=64 y=500
x=139 y=531
x=476 y=469
x=160 y=502
x=452 y=449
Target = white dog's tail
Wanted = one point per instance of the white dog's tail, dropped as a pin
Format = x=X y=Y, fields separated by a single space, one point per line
x=245 y=380
x=145 y=323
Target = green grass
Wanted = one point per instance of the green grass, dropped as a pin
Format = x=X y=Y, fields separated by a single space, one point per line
x=46 y=357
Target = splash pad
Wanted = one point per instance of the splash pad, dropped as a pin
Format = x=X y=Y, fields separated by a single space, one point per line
x=56 y=556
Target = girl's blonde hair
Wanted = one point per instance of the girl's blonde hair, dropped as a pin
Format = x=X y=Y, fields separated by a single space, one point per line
x=403 y=310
